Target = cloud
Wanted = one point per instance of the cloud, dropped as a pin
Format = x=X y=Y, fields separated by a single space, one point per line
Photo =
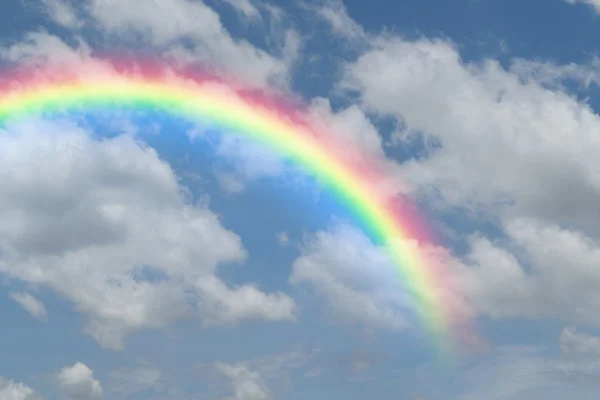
x=274 y=373
x=282 y=238
x=245 y=8
x=107 y=226
x=63 y=13
x=512 y=149
x=554 y=75
x=223 y=305
x=554 y=274
x=573 y=342
x=229 y=182
x=32 y=305
x=245 y=384
x=523 y=140
x=344 y=267
x=10 y=390
x=356 y=278
x=335 y=13
x=194 y=34
x=77 y=383
x=43 y=48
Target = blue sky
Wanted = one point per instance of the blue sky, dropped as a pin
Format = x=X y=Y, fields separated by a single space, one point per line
x=144 y=257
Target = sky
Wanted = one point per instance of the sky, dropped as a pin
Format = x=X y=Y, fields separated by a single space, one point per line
x=144 y=256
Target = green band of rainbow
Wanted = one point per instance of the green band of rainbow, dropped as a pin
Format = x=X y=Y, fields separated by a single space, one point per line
x=223 y=108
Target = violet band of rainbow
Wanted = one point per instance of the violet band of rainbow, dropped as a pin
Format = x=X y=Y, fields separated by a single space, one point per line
x=352 y=183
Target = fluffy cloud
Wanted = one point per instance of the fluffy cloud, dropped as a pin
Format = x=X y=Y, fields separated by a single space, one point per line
x=107 y=226
x=193 y=33
x=500 y=145
x=510 y=144
x=32 y=305
x=10 y=390
x=543 y=279
x=77 y=383
x=554 y=275
x=354 y=276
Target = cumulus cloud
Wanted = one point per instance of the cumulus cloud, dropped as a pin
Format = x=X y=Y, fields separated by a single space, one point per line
x=510 y=145
x=541 y=270
x=10 y=390
x=523 y=140
x=77 y=383
x=32 y=305
x=107 y=226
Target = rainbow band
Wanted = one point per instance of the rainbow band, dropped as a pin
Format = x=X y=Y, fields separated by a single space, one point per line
x=225 y=109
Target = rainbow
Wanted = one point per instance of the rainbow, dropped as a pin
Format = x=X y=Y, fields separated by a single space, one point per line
x=338 y=164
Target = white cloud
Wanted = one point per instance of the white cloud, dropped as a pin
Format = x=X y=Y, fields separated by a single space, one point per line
x=224 y=305
x=77 y=383
x=32 y=305
x=554 y=75
x=555 y=274
x=504 y=144
x=523 y=154
x=46 y=56
x=63 y=13
x=192 y=35
x=245 y=384
x=106 y=226
x=573 y=342
x=353 y=138
x=43 y=48
x=355 y=277
x=335 y=13
x=207 y=40
x=10 y=390
x=245 y=8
